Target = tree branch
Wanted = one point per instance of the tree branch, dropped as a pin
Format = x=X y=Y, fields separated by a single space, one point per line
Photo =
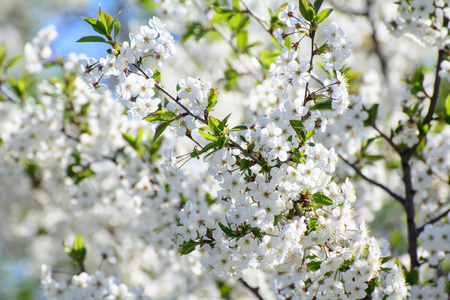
x=388 y=139
x=383 y=187
x=376 y=43
x=409 y=208
x=255 y=291
x=437 y=86
x=434 y=220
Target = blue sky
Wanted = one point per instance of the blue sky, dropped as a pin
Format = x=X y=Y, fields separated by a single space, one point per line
x=71 y=27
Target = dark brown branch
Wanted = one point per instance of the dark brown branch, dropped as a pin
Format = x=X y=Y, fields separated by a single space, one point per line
x=383 y=187
x=434 y=220
x=236 y=145
x=437 y=85
x=409 y=208
x=388 y=139
x=255 y=291
x=312 y=35
x=375 y=41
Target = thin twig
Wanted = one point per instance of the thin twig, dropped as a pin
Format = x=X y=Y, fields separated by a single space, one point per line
x=255 y=291
x=257 y=18
x=312 y=34
x=437 y=84
x=434 y=220
x=383 y=187
x=375 y=41
x=388 y=139
x=234 y=144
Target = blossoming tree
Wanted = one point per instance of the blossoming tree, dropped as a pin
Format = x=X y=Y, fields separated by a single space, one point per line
x=97 y=156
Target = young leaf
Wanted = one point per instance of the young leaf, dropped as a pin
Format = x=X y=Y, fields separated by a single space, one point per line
x=221 y=141
x=207 y=135
x=238 y=128
x=242 y=41
x=314 y=265
x=373 y=111
x=91 y=39
x=188 y=247
x=323 y=15
x=213 y=124
x=317 y=5
x=160 y=129
x=78 y=243
x=227 y=230
x=116 y=29
x=160 y=115
x=307 y=10
x=321 y=199
x=299 y=129
x=222 y=17
x=223 y=124
x=212 y=99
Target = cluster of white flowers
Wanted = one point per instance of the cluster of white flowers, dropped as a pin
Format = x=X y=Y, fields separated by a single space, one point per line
x=283 y=218
x=68 y=166
x=39 y=49
x=340 y=47
x=437 y=292
x=422 y=20
x=445 y=70
x=288 y=72
x=135 y=88
x=436 y=242
x=193 y=94
x=86 y=286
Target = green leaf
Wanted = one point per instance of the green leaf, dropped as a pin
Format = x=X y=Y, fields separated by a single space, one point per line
x=91 y=21
x=96 y=25
x=213 y=124
x=373 y=112
x=231 y=76
x=323 y=15
x=188 y=247
x=212 y=99
x=12 y=62
x=116 y=29
x=322 y=106
x=307 y=10
x=412 y=277
x=222 y=17
x=373 y=157
x=109 y=22
x=160 y=115
x=227 y=230
x=91 y=39
x=223 y=124
x=299 y=129
x=269 y=57
x=221 y=141
x=321 y=199
x=160 y=129
x=205 y=149
x=207 y=135
x=310 y=133
x=317 y=5
x=314 y=265
x=238 y=128
x=78 y=243
x=242 y=41
x=312 y=224
x=447 y=109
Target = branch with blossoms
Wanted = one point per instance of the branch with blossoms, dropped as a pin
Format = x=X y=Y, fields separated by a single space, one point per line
x=282 y=211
